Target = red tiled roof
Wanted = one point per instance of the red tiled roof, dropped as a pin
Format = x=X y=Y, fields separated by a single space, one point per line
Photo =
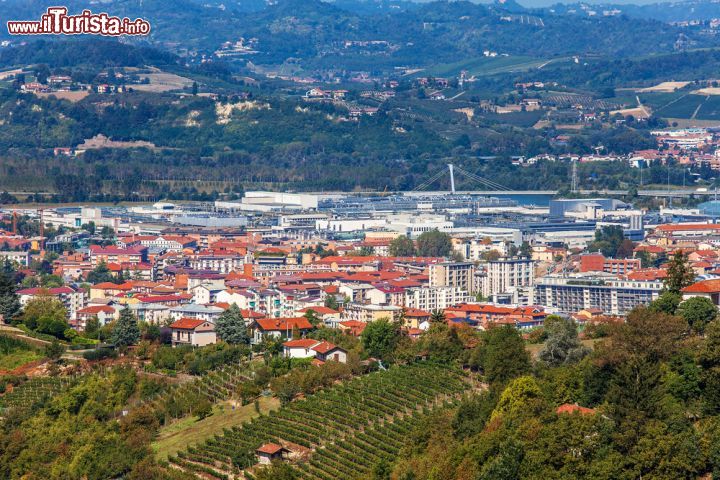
x=416 y=312
x=301 y=343
x=112 y=250
x=163 y=298
x=275 y=324
x=112 y=286
x=704 y=286
x=570 y=408
x=356 y=327
x=270 y=448
x=647 y=274
x=45 y=291
x=324 y=347
x=187 y=323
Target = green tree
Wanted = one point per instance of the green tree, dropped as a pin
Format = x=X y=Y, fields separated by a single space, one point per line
x=667 y=302
x=608 y=240
x=501 y=355
x=402 y=246
x=679 y=273
x=521 y=396
x=45 y=314
x=437 y=316
x=126 y=330
x=92 y=327
x=100 y=274
x=562 y=345
x=434 y=244
x=54 y=350
x=380 y=338
x=9 y=300
x=203 y=409
x=230 y=326
x=698 y=312
x=331 y=302
x=709 y=360
x=526 y=250
x=312 y=318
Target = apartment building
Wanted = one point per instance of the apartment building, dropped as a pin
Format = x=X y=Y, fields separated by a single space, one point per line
x=452 y=274
x=612 y=297
x=507 y=274
x=435 y=298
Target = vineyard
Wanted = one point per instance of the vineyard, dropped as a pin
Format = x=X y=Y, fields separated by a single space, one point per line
x=35 y=391
x=369 y=414
x=178 y=400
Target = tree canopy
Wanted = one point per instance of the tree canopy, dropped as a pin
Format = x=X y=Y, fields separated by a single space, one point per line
x=230 y=326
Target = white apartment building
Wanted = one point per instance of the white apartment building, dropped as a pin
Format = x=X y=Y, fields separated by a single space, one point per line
x=506 y=273
x=435 y=298
x=217 y=263
x=613 y=297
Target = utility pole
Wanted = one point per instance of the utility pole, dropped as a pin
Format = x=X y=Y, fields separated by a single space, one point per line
x=452 y=178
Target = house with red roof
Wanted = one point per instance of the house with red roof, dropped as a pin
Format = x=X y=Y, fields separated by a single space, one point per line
x=271 y=452
x=352 y=327
x=487 y=314
x=704 y=288
x=193 y=331
x=416 y=318
x=278 y=328
x=309 y=348
x=104 y=313
x=113 y=254
x=109 y=289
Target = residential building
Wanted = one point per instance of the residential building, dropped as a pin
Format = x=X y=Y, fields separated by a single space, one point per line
x=278 y=328
x=614 y=297
x=435 y=298
x=505 y=274
x=73 y=300
x=192 y=331
x=452 y=274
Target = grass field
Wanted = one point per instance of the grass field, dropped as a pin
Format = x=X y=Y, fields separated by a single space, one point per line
x=480 y=66
x=186 y=431
x=16 y=359
x=15 y=352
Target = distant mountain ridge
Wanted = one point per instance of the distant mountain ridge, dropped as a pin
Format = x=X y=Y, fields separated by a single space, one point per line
x=313 y=33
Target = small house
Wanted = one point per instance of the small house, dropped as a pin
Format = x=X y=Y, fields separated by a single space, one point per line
x=193 y=331
x=270 y=452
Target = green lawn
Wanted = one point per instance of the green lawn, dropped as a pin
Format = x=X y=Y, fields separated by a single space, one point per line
x=188 y=431
x=11 y=361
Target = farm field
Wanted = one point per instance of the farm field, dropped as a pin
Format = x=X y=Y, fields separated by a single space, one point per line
x=481 y=66
x=664 y=87
x=35 y=391
x=363 y=411
x=187 y=431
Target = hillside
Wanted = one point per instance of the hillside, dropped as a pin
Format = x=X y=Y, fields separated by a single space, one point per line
x=316 y=33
